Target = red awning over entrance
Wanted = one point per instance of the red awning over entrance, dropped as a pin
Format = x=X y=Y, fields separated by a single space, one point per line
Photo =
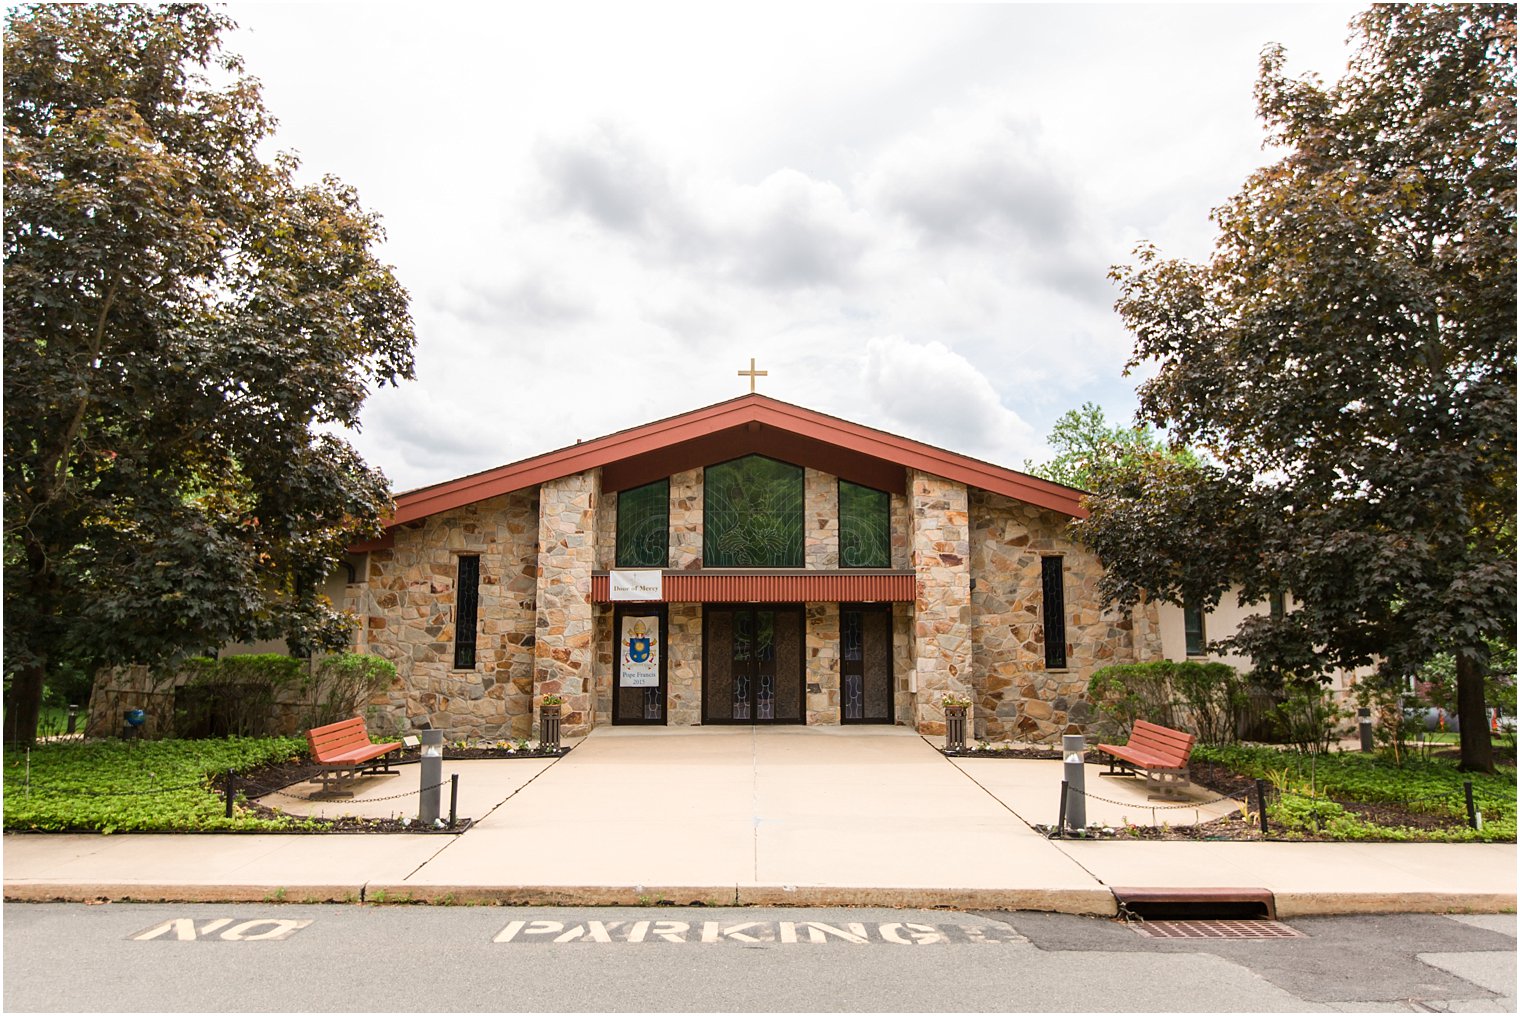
x=723 y=586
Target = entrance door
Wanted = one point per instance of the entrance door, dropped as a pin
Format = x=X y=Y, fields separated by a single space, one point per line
x=752 y=665
x=638 y=689
x=865 y=663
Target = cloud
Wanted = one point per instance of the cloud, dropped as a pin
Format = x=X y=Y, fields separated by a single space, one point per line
x=788 y=231
x=983 y=178
x=936 y=395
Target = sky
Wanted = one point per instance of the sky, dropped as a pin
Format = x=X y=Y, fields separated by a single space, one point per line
x=906 y=214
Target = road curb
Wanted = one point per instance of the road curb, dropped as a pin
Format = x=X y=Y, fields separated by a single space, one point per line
x=1091 y=902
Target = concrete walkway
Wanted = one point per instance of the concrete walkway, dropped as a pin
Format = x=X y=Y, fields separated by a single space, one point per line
x=756 y=816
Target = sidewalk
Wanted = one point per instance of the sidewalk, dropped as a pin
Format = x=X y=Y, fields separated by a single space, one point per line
x=750 y=816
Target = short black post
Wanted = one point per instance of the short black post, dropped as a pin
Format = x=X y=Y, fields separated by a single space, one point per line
x=73 y=719
x=1261 y=804
x=453 y=800
x=231 y=790
x=1061 y=820
x=1364 y=726
x=1472 y=808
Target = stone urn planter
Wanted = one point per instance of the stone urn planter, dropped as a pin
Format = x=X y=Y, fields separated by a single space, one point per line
x=548 y=723
x=955 y=722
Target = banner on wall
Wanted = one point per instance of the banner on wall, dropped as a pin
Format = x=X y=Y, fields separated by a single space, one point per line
x=625 y=584
x=640 y=645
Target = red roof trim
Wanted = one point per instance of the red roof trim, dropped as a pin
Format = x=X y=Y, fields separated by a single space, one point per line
x=746 y=409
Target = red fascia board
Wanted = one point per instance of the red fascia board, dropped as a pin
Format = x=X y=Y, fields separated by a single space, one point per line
x=660 y=435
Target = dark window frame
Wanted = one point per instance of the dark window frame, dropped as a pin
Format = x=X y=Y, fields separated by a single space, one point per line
x=1194 y=637
x=1053 y=604
x=839 y=508
x=621 y=561
x=466 y=612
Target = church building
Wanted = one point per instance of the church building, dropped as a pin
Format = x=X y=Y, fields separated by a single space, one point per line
x=751 y=562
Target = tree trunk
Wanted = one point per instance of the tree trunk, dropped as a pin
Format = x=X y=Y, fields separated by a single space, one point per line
x=23 y=703
x=1477 y=746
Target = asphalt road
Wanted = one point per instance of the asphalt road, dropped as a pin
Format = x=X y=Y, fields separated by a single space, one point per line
x=333 y=958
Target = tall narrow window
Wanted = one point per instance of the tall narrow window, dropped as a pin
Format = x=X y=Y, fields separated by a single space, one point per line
x=643 y=526
x=1277 y=604
x=865 y=527
x=1053 y=588
x=1192 y=628
x=466 y=610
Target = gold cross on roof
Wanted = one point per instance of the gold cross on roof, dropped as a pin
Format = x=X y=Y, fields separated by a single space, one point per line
x=752 y=373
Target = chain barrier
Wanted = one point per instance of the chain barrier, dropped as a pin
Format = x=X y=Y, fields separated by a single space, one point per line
x=1154 y=807
x=250 y=792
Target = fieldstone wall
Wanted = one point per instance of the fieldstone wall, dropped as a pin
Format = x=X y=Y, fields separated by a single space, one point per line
x=820 y=520
x=686 y=520
x=942 y=647
x=603 y=662
x=902 y=532
x=902 y=662
x=821 y=663
x=683 y=664
x=410 y=618
x=606 y=531
x=563 y=652
x=1016 y=697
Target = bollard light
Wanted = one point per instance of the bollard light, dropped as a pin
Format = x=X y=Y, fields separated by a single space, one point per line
x=431 y=775
x=73 y=719
x=1364 y=726
x=1073 y=749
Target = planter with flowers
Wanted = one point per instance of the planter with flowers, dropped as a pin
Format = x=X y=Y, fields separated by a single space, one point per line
x=956 y=707
x=548 y=723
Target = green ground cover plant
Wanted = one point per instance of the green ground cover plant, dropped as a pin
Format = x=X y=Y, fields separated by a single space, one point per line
x=1313 y=792
x=137 y=786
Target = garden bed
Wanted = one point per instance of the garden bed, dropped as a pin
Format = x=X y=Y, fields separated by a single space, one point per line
x=109 y=785
x=1337 y=797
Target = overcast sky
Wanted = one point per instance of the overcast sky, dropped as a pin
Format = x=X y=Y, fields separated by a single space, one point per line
x=906 y=214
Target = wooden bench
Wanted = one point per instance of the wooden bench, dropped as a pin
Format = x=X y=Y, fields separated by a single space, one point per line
x=1160 y=752
x=343 y=750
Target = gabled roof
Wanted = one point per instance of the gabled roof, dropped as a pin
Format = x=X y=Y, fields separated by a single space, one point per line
x=749 y=424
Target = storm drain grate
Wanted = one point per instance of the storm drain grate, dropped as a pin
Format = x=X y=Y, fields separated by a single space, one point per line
x=1228 y=929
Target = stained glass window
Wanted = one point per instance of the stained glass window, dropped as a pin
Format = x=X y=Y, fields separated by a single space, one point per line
x=643 y=526
x=865 y=527
x=752 y=514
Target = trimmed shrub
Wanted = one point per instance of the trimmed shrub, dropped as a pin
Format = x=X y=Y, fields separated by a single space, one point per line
x=1209 y=700
x=343 y=684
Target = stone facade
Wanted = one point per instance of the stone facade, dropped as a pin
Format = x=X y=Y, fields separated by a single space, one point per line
x=563 y=652
x=975 y=626
x=942 y=650
x=820 y=520
x=1015 y=696
x=686 y=520
x=821 y=663
x=410 y=612
x=683 y=665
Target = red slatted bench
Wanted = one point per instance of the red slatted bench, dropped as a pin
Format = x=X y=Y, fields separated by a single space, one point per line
x=1160 y=752
x=343 y=749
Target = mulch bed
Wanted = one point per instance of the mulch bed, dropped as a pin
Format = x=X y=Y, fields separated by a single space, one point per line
x=288 y=776
x=1222 y=782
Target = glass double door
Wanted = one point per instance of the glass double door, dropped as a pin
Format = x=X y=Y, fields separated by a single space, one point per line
x=752 y=664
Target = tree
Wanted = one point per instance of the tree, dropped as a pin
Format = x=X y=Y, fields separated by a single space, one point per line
x=1087 y=447
x=186 y=325
x=1347 y=356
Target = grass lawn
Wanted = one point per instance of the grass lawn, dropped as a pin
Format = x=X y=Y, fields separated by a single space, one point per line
x=136 y=786
x=1312 y=790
